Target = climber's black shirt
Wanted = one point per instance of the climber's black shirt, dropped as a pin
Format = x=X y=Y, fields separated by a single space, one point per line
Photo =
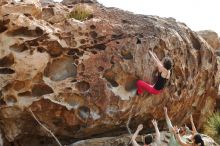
x=160 y=82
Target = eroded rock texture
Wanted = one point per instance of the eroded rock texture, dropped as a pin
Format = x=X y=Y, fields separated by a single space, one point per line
x=79 y=77
x=214 y=41
x=211 y=37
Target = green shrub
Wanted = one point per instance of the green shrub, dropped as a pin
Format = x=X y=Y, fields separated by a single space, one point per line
x=212 y=127
x=80 y=13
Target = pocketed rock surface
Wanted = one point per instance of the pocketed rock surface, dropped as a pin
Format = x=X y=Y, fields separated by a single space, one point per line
x=79 y=78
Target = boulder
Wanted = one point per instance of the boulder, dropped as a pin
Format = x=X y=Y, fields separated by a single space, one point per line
x=211 y=37
x=78 y=77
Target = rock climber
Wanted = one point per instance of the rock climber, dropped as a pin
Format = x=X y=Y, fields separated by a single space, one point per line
x=164 y=69
x=148 y=139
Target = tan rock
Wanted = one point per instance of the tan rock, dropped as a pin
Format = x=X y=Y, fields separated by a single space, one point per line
x=69 y=2
x=79 y=77
x=55 y=13
x=32 y=9
x=211 y=37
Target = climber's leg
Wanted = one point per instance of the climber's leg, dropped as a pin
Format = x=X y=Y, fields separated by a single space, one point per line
x=141 y=86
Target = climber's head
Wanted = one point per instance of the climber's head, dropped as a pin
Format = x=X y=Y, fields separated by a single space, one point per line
x=148 y=139
x=167 y=63
x=197 y=139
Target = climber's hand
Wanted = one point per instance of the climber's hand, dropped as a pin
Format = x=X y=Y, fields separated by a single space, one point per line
x=154 y=122
x=175 y=129
x=140 y=127
x=165 y=109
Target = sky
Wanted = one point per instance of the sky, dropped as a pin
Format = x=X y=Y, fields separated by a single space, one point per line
x=197 y=14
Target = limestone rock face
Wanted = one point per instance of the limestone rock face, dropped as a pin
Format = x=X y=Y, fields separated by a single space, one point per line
x=211 y=37
x=79 y=78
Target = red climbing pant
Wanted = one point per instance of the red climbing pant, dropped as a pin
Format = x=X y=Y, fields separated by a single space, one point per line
x=141 y=86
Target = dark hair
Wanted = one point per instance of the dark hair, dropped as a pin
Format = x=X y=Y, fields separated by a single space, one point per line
x=167 y=63
x=198 y=140
x=148 y=139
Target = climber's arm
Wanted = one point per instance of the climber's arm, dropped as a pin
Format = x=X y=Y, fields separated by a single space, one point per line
x=157 y=139
x=140 y=127
x=158 y=62
x=168 y=121
x=194 y=131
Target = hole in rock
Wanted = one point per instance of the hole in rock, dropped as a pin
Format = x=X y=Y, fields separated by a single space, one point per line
x=92 y=26
x=217 y=52
x=57 y=121
x=19 y=48
x=82 y=86
x=75 y=52
x=113 y=83
x=126 y=54
x=7 y=61
x=54 y=48
x=26 y=93
x=82 y=41
x=10 y=99
x=110 y=77
x=61 y=69
x=2 y=25
x=125 y=21
x=100 y=47
x=3 y=28
x=41 y=89
x=83 y=113
x=94 y=52
x=27 y=15
x=6 y=71
x=100 y=68
x=74 y=100
x=24 y=31
x=195 y=42
x=93 y=34
x=18 y=85
x=75 y=57
x=80 y=33
x=74 y=80
x=68 y=88
x=41 y=49
x=2 y=102
x=179 y=92
x=117 y=36
x=101 y=38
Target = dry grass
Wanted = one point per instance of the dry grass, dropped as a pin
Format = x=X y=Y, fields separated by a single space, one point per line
x=212 y=127
x=80 y=13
